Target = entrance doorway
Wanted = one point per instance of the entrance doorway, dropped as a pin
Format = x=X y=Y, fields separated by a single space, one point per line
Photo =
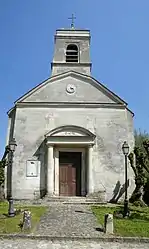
x=70 y=173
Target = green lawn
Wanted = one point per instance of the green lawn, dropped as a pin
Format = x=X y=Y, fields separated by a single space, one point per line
x=10 y=225
x=136 y=225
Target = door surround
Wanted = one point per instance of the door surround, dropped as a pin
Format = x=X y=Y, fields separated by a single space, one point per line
x=69 y=138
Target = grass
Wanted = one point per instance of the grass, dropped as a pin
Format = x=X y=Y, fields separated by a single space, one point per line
x=11 y=225
x=137 y=225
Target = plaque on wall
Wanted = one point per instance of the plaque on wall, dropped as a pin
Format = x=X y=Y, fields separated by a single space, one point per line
x=32 y=168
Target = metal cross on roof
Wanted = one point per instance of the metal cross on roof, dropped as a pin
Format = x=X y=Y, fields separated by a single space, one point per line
x=72 y=18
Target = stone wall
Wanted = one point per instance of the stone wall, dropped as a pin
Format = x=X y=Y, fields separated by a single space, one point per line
x=109 y=125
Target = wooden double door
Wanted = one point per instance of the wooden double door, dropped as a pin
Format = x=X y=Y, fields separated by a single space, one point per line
x=70 y=173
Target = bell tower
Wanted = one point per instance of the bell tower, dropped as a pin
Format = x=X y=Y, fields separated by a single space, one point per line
x=72 y=51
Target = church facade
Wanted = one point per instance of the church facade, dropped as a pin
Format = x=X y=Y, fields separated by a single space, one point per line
x=69 y=130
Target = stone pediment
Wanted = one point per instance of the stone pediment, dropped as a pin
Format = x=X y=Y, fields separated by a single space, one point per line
x=70 y=131
x=70 y=87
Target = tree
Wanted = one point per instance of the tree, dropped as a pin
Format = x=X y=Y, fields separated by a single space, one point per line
x=2 y=178
x=140 y=136
x=139 y=161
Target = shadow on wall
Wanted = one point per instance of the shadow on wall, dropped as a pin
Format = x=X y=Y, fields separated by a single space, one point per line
x=40 y=154
x=118 y=191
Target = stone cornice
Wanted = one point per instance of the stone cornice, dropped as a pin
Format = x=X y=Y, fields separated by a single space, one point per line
x=66 y=64
x=77 y=38
x=65 y=140
x=70 y=105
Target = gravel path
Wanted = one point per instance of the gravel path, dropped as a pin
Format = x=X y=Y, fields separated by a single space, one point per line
x=44 y=244
x=69 y=220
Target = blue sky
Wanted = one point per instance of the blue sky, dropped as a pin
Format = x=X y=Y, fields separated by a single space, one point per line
x=119 y=48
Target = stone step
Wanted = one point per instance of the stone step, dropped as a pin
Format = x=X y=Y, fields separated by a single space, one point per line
x=73 y=200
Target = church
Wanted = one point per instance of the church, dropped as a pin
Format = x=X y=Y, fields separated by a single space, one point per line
x=69 y=130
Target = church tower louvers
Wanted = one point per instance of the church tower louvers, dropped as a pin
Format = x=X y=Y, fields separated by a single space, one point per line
x=72 y=51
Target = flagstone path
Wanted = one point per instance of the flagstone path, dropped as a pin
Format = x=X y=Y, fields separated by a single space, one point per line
x=64 y=220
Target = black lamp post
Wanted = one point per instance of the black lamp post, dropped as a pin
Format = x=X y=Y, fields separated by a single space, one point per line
x=10 y=151
x=125 y=149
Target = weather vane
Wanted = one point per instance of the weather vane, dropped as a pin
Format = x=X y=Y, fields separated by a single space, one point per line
x=72 y=18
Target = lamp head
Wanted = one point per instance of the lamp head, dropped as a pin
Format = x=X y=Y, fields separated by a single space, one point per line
x=12 y=144
x=125 y=148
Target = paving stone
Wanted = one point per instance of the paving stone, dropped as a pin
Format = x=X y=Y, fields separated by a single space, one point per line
x=69 y=220
x=45 y=244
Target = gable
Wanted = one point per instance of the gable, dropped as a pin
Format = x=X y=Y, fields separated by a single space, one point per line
x=71 y=87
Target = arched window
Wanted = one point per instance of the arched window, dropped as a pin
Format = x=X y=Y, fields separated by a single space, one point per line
x=72 y=53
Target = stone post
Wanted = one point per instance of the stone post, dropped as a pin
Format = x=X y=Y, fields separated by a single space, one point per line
x=108 y=223
x=26 y=220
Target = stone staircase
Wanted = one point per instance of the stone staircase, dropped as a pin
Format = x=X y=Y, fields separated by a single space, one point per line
x=73 y=200
x=47 y=200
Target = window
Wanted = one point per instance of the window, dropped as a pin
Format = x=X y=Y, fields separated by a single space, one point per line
x=72 y=53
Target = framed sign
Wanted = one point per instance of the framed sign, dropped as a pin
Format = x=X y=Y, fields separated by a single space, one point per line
x=32 y=168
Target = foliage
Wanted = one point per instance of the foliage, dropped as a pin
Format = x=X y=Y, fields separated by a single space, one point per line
x=140 y=136
x=146 y=192
x=138 y=204
x=139 y=161
x=2 y=178
x=135 y=225
x=2 y=175
x=11 y=225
